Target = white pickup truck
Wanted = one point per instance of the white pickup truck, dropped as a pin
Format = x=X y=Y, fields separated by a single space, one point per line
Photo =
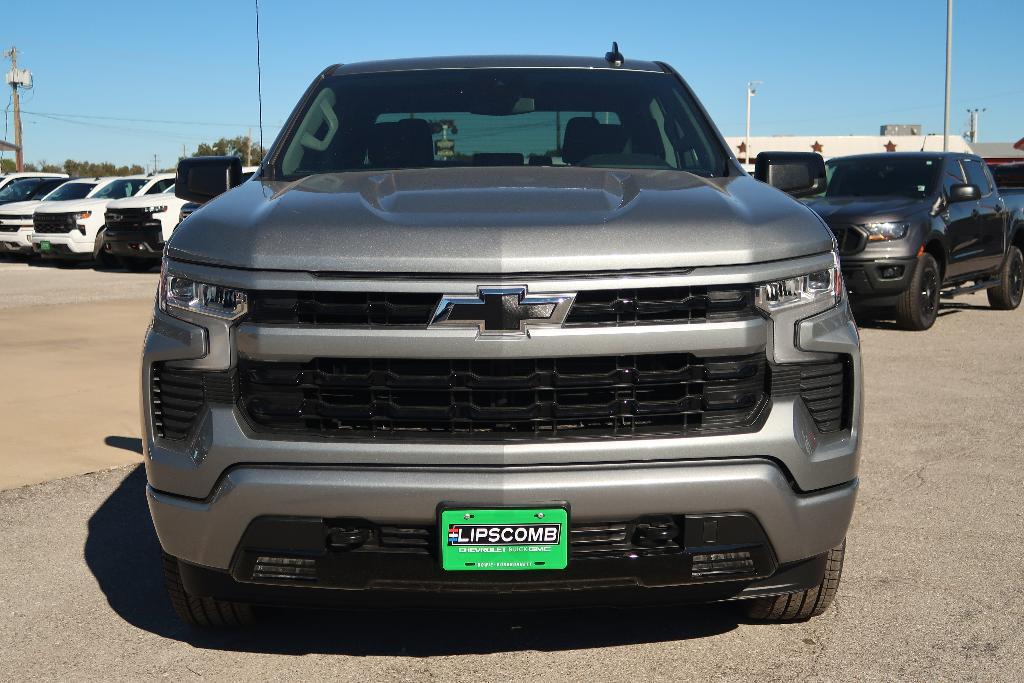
x=69 y=230
x=16 y=217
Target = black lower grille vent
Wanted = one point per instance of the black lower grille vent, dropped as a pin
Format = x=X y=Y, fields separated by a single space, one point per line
x=825 y=388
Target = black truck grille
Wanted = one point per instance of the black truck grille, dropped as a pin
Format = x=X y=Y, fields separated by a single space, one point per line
x=612 y=307
x=130 y=219
x=51 y=224
x=826 y=389
x=611 y=396
x=851 y=239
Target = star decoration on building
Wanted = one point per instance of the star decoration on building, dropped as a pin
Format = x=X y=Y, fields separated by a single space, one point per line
x=890 y=146
x=742 y=148
x=817 y=147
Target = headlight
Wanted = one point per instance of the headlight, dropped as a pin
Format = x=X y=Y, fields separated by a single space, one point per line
x=81 y=216
x=882 y=232
x=182 y=294
x=155 y=209
x=821 y=289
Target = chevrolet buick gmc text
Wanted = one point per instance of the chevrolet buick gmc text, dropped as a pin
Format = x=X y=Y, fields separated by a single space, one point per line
x=493 y=326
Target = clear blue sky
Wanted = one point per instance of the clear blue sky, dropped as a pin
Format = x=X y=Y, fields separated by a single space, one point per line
x=829 y=67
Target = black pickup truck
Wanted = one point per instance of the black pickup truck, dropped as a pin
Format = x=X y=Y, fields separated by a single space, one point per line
x=914 y=228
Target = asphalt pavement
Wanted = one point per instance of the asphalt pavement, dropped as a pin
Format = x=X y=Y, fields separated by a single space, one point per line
x=933 y=587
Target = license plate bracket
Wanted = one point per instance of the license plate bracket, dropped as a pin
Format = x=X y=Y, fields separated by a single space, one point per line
x=526 y=538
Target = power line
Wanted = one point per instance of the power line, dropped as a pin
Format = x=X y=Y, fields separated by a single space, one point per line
x=133 y=120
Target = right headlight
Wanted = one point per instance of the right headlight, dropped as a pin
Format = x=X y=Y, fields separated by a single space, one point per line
x=177 y=293
x=819 y=290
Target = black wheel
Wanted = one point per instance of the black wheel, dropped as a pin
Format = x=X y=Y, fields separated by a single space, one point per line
x=805 y=604
x=199 y=611
x=106 y=260
x=917 y=308
x=135 y=265
x=1007 y=295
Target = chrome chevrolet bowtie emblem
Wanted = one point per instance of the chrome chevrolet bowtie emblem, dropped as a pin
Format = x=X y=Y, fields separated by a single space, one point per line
x=502 y=310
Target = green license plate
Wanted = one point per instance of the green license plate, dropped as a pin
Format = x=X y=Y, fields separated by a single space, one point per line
x=504 y=539
x=44 y=246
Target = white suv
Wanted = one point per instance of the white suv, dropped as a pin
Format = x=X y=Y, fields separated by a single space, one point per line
x=69 y=230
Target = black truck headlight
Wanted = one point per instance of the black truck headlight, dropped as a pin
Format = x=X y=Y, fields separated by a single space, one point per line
x=179 y=293
x=819 y=291
x=883 y=232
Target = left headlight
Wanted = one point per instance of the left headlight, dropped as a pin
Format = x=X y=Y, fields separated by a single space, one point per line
x=819 y=291
x=155 y=209
x=179 y=293
x=883 y=232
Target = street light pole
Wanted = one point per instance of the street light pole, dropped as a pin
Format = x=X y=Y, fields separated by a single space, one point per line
x=751 y=91
x=949 y=64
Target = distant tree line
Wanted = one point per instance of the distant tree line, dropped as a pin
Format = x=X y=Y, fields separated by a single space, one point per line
x=241 y=146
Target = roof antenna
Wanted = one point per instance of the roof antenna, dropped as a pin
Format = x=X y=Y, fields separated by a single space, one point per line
x=614 y=57
x=259 y=72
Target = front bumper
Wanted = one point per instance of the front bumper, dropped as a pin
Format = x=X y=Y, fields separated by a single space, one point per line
x=16 y=242
x=877 y=280
x=145 y=243
x=798 y=526
x=71 y=245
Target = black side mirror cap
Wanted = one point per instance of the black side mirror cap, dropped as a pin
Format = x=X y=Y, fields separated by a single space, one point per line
x=800 y=174
x=963 y=193
x=200 y=179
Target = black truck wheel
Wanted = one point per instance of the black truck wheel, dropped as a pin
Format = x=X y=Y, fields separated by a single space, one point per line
x=200 y=611
x=805 y=604
x=1007 y=295
x=917 y=308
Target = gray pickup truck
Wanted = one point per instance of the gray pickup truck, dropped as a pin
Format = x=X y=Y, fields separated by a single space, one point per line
x=509 y=329
x=917 y=227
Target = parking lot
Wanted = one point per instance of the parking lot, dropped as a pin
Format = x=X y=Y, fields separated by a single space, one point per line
x=933 y=586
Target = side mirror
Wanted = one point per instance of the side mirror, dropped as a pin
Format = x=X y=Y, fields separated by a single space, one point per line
x=963 y=193
x=200 y=179
x=800 y=174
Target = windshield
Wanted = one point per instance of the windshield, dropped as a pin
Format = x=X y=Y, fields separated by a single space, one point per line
x=882 y=176
x=69 y=191
x=119 y=189
x=500 y=117
x=19 y=190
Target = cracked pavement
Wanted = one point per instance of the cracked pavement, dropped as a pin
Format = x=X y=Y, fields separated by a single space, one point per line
x=932 y=588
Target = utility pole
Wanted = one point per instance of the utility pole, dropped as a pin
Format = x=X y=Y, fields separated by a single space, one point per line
x=156 y=164
x=751 y=91
x=972 y=134
x=949 y=68
x=17 y=78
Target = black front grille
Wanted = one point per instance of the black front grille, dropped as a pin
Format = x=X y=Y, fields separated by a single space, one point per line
x=506 y=399
x=612 y=307
x=53 y=223
x=130 y=219
x=826 y=389
x=176 y=398
x=851 y=239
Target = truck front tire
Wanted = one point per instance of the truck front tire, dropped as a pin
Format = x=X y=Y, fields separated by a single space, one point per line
x=805 y=604
x=1007 y=296
x=917 y=308
x=200 y=611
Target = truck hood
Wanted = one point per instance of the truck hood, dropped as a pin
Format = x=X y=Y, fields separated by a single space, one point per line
x=72 y=205
x=20 y=208
x=499 y=220
x=846 y=210
x=161 y=199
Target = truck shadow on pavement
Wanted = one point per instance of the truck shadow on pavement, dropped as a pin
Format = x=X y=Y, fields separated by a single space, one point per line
x=123 y=554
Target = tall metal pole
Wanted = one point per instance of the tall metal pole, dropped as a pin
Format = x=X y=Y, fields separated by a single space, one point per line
x=19 y=155
x=751 y=91
x=949 y=65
